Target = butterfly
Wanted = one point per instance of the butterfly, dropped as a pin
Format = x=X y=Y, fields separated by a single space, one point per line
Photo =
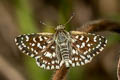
x=53 y=50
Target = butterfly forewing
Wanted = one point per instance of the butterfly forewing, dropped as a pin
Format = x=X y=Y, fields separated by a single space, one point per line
x=33 y=44
x=85 y=46
x=41 y=47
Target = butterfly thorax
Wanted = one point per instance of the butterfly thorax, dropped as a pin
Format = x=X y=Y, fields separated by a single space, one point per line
x=63 y=50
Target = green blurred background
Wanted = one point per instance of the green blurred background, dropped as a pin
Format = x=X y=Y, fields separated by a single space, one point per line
x=24 y=16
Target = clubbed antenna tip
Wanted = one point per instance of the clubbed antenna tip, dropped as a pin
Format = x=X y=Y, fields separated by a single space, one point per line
x=73 y=14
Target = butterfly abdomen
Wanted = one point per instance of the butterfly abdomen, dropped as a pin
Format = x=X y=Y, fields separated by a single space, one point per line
x=64 y=51
x=65 y=54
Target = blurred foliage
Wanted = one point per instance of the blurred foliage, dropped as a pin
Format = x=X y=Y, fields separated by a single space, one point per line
x=25 y=17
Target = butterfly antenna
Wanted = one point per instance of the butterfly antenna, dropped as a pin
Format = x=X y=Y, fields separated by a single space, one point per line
x=43 y=23
x=70 y=18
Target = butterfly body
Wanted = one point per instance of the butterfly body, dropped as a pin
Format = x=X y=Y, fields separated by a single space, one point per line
x=63 y=49
x=52 y=51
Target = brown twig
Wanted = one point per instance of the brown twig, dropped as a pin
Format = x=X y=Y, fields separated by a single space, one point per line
x=61 y=73
x=95 y=26
x=101 y=25
x=118 y=70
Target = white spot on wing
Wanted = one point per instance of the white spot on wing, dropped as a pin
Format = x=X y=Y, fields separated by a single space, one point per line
x=100 y=39
x=101 y=49
x=48 y=67
x=82 y=63
x=44 y=47
x=88 y=45
x=37 y=57
x=88 y=56
x=34 y=39
x=95 y=37
x=83 y=57
x=17 y=43
x=27 y=38
x=53 y=62
x=23 y=45
x=28 y=47
x=83 y=45
x=45 y=38
x=40 y=38
x=38 y=63
x=22 y=38
x=89 y=49
x=15 y=40
x=49 y=41
x=52 y=67
x=76 y=37
x=32 y=55
x=105 y=41
x=32 y=49
x=77 y=64
x=48 y=54
x=23 y=51
x=78 y=46
x=81 y=38
x=57 y=67
x=73 y=40
x=53 y=54
x=67 y=64
x=33 y=44
x=61 y=63
x=20 y=47
x=87 y=39
x=35 y=52
x=73 y=51
x=52 y=47
x=73 y=64
x=85 y=52
x=76 y=58
x=97 y=52
x=87 y=61
x=70 y=61
x=42 y=66
x=38 y=45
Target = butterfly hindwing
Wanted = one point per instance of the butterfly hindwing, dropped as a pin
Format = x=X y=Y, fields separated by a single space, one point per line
x=48 y=59
x=85 y=46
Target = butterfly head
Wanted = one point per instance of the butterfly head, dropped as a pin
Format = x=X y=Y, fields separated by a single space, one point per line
x=60 y=27
x=61 y=34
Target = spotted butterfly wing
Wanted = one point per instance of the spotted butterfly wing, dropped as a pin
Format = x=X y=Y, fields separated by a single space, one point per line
x=85 y=46
x=48 y=59
x=33 y=44
x=41 y=47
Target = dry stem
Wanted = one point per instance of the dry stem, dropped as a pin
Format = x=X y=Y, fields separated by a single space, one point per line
x=61 y=73
x=118 y=70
